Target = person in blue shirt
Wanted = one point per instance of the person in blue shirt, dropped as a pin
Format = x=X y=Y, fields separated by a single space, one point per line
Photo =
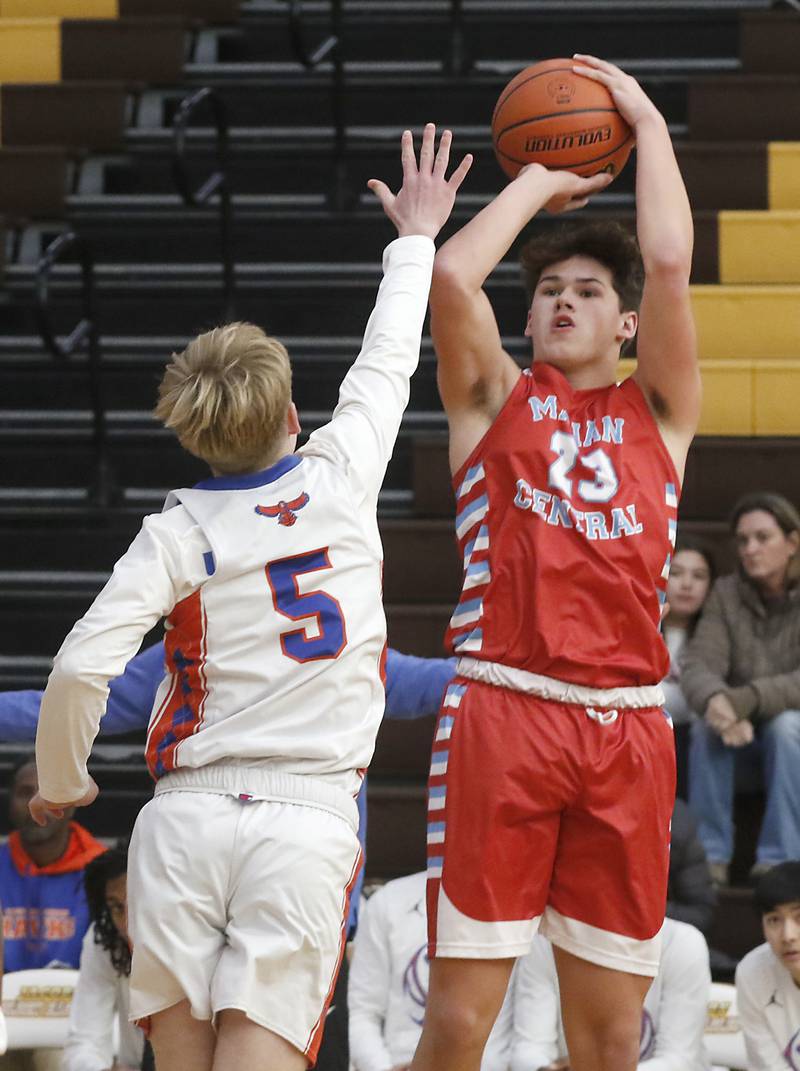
x=45 y=914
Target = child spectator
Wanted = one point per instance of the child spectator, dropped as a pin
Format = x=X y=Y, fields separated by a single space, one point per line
x=101 y=995
x=740 y=671
x=768 y=978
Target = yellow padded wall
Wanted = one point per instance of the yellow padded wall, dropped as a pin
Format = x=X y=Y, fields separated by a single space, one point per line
x=727 y=398
x=759 y=247
x=30 y=50
x=751 y=322
x=783 y=169
x=776 y=390
x=59 y=9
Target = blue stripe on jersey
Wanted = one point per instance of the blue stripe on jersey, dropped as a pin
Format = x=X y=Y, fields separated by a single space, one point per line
x=479 y=573
x=251 y=479
x=471 y=477
x=210 y=564
x=466 y=612
x=480 y=542
x=471 y=514
x=470 y=641
x=453 y=695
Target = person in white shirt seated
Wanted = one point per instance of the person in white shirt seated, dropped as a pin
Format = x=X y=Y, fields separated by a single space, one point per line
x=388 y=983
x=768 y=978
x=102 y=993
x=673 y=1017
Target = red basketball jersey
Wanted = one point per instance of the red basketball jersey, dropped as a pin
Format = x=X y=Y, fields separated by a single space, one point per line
x=566 y=514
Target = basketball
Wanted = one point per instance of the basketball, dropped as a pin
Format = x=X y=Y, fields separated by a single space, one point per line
x=549 y=115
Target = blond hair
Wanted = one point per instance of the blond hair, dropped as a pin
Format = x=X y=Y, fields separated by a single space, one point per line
x=226 y=396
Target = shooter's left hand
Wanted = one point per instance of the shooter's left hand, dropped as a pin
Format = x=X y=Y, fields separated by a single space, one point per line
x=632 y=102
x=41 y=809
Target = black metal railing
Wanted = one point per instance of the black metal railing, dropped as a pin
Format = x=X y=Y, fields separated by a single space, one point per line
x=330 y=48
x=216 y=185
x=458 y=60
x=102 y=491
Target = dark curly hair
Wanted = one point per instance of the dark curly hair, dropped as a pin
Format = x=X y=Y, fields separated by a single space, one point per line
x=607 y=242
x=104 y=868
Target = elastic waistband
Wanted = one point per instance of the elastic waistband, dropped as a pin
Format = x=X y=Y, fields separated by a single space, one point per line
x=520 y=680
x=259 y=783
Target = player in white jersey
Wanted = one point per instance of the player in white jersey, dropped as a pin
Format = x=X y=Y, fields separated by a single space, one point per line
x=768 y=978
x=269 y=575
x=673 y=1017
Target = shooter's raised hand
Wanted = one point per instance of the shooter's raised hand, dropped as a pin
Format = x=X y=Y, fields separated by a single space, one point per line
x=425 y=200
x=633 y=104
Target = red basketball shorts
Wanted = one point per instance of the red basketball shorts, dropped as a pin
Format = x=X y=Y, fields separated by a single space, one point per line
x=542 y=816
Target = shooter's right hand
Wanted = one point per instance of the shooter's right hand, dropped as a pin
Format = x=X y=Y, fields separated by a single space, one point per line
x=426 y=198
x=566 y=191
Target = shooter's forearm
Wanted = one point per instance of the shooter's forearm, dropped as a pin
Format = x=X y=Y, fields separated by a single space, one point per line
x=663 y=215
x=476 y=250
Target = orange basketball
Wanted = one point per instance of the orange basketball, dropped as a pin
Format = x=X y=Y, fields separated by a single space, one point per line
x=549 y=115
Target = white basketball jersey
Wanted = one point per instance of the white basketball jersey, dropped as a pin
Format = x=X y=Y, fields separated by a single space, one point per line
x=271 y=586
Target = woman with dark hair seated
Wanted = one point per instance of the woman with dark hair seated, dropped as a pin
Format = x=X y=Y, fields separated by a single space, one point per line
x=741 y=671
x=691 y=575
x=101 y=995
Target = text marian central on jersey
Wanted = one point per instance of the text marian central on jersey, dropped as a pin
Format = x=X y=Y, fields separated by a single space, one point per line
x=567 y=450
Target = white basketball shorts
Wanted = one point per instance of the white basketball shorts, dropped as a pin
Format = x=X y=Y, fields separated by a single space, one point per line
x=240 y=903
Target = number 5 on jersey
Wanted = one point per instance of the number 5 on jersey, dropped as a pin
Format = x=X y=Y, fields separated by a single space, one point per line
x=289 y=602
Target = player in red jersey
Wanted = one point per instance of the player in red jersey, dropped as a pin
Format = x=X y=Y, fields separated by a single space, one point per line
x=552 y=776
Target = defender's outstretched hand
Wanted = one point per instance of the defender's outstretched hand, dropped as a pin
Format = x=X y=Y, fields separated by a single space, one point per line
x=426 y=198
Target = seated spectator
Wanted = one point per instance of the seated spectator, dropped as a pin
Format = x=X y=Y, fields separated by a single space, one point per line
x=673 y=1018
x=741 y=671
x=44 y=906
x=691 y=574
x=768 y=978
x=388 y=986
x=101 y=996
x=691 y=896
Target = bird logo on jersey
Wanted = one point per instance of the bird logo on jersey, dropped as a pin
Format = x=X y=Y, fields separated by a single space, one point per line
x=286 y=512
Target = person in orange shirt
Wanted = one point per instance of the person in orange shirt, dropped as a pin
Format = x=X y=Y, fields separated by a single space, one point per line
x=45 y=914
